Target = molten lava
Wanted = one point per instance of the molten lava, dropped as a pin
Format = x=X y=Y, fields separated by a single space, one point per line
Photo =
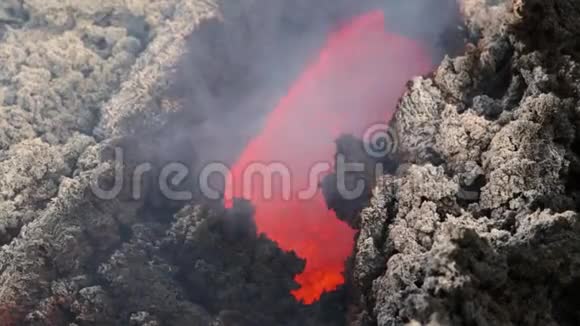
x=355 y=82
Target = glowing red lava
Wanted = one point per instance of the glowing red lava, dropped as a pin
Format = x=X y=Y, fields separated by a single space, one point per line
x=355 y=81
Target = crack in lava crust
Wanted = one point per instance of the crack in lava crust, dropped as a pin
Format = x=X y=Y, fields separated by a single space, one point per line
x=355 y=81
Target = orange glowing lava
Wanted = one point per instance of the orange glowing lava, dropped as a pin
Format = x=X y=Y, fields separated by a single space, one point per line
x=354 y=82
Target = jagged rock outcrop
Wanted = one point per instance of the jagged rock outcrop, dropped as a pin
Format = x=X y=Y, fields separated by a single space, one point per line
x=480 y=226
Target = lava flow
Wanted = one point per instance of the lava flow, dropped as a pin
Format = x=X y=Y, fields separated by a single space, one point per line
x=354 y=82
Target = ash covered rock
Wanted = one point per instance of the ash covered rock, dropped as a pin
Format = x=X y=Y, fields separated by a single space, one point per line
x=59 y=69
x=59 y=63
x=482 y=226
x=78 y=80
x=89 y=261
x=31 y=174
x=193 y=272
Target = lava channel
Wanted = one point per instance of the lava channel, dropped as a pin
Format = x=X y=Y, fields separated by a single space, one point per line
x=353 y=83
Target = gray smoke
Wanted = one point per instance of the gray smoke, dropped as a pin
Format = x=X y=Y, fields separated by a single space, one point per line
x=236 y=70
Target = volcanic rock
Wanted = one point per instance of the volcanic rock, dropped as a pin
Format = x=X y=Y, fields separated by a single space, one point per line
x=77 y=82
x=481 y=228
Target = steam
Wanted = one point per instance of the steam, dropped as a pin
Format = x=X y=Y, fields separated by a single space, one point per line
x=235 y=72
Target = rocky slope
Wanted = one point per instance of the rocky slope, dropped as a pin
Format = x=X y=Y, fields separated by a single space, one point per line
x=77 y=80
x=480 y=226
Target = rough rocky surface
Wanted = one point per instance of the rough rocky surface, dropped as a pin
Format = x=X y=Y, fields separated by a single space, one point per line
x=77 y=80
x=480 y=225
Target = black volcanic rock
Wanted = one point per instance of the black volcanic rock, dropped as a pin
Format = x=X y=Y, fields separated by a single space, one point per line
x=491 y=235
